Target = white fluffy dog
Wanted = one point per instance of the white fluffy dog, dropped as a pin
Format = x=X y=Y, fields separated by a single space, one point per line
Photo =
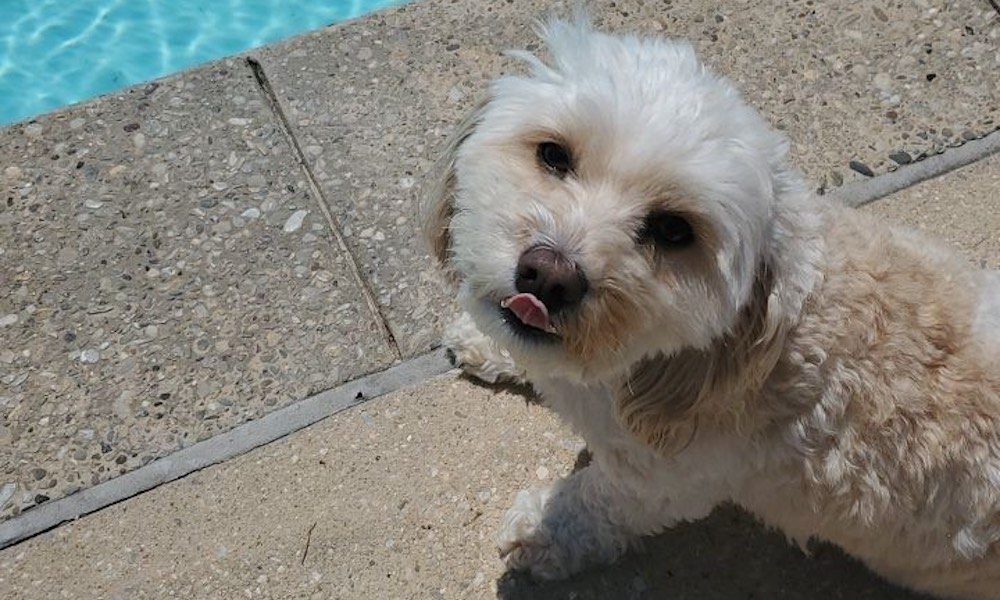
x=626 y=233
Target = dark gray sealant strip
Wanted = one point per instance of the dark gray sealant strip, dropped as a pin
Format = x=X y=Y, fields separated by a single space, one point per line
x=240 y=440
x=862 y=192
x=290 y=419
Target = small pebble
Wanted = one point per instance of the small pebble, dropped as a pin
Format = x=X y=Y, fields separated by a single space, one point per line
x=6 y=493
x=860 y=167
x=901 y=158
x=90 y=356
x=8 y=320
x=542 y=472
x=251 y=213
x=257 y=181
x=12 y=172
x=294 y=222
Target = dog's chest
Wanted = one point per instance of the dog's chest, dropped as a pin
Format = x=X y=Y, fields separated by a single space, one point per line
x=713 y=466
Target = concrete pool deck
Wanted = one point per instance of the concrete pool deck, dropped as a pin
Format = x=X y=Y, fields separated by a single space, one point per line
x=198 y=253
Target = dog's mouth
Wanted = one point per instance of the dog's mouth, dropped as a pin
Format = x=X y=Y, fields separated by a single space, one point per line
x=528 y=318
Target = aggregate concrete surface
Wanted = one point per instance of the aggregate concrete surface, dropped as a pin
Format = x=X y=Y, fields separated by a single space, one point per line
x=164 y=276
x=962 y=208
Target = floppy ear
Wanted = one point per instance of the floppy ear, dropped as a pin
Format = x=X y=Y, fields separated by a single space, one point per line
x=438 y=206
x=665 y=399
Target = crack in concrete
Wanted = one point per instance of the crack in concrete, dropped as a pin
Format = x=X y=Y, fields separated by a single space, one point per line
x=264 y=85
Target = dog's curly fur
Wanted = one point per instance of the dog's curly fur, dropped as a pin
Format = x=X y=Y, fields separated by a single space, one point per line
x=838 y=377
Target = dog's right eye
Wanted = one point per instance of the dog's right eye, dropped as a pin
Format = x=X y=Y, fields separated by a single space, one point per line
x=556 y=158
x=667 y=230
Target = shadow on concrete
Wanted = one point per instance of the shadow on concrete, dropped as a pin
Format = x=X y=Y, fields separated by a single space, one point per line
x=523 y=390
x=726 y=556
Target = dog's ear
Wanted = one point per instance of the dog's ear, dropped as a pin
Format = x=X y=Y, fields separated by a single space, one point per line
x=666 y=399
x=438 y=205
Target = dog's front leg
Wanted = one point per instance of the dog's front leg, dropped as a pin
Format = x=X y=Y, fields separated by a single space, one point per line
x=583 y=520
x=556 y=531
x=477 y=354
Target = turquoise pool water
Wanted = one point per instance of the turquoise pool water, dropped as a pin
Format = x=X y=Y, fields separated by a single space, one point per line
x=58 y=52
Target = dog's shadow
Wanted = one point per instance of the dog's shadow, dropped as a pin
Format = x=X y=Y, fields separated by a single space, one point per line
x=727 y=556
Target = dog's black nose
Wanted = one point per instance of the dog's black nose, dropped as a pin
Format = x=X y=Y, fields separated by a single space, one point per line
x=554 y=279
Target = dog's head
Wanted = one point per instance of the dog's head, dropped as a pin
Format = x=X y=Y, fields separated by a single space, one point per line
x=615 y=204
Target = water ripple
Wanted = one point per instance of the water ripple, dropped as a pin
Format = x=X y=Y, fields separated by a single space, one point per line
x=58 y=52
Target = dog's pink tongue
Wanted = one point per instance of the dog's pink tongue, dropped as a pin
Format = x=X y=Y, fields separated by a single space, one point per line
x=530 y=310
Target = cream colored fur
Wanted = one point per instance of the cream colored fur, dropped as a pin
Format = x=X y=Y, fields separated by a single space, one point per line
x=837 y=377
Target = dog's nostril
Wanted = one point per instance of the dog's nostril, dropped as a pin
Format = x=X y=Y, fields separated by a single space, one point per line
x=529 y=273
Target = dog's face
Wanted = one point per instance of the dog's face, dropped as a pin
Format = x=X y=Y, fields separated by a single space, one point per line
x=614 y=204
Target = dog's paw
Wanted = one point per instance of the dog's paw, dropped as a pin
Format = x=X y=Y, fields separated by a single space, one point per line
x=469 y=349
x=525 y=544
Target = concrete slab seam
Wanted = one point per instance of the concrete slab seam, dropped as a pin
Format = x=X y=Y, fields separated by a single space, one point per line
x=264 y=85
x=216 y=449
x=862 y=192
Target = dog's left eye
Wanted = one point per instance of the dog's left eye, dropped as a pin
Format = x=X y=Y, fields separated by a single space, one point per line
x=555 y=157
x=667 y=230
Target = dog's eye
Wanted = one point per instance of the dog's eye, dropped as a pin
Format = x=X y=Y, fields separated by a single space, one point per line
x=555 y=157
x=667 y=230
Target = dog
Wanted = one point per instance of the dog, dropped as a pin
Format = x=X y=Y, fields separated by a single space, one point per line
x=625 y=232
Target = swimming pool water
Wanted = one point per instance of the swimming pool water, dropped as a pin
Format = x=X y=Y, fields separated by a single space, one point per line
x=58 y=52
